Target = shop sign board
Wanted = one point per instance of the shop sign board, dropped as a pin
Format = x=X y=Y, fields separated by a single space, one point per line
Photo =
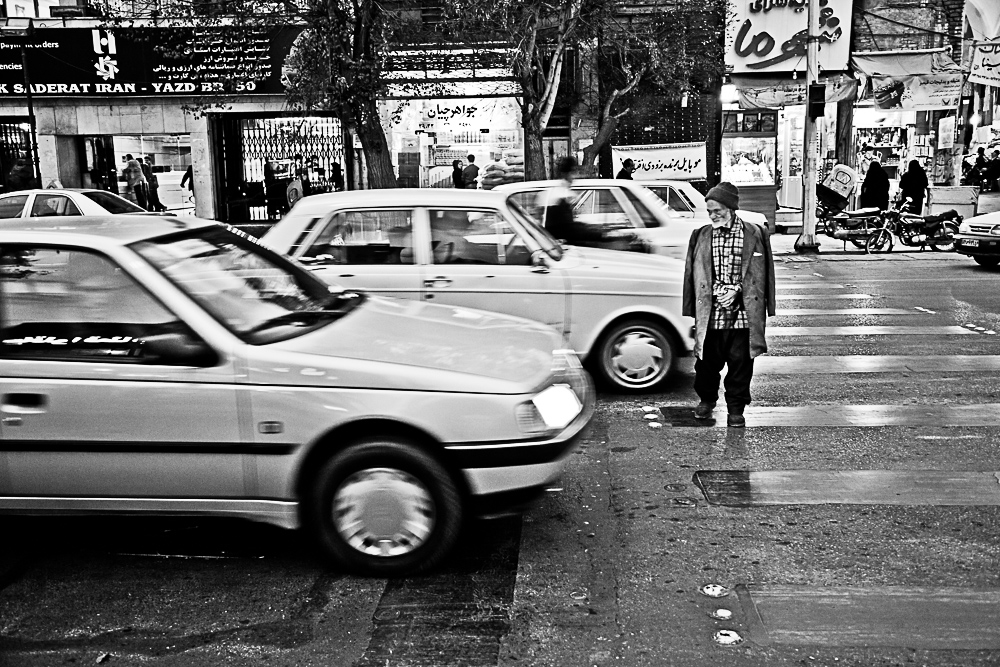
x=772 y=92
x=142 y=62
x=770 y=35
x=682 y=162
x=986 y=63
x=946 y=132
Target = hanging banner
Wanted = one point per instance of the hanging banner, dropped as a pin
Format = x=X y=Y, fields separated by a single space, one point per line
x=983 y=18
x=769 y=92
x=680 y=162
x=909 y=80
x=771 y=35
x=986 y=63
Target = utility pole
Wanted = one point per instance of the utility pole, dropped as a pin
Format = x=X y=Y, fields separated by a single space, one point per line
x=36 y=169
x=806 y=243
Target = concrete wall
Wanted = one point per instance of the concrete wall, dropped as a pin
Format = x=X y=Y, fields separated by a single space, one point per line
x=59 y=120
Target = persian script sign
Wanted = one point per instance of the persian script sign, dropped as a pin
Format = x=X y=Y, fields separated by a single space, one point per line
x=770 y=35
x=681 y=162
x=986 y=63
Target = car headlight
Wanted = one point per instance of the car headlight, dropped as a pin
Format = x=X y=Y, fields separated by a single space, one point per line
x=995 y=230
x=552 y=409
x=964 y=228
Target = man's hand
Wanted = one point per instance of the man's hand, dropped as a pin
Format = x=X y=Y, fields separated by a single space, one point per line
x=727 y=298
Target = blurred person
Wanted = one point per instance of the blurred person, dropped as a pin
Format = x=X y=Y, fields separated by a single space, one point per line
x=471 y=173
x=628 y=167
x=875 y=187
x=457 y=178
x=188 y=180
x=993 y=171
x=913 y=184
x=729 y=301
x=136 y=187
x=21 y=175
x=557 y=210
x=153 y=185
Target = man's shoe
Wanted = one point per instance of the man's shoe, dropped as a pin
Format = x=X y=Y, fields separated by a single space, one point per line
x=736 y=421
x=704 y=410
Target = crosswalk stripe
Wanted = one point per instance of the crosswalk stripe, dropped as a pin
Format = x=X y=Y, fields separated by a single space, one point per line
x=803 y=297
x=798 y=312
x=781 y=286
x=771 y=365
x=980 y=414
x=868 y=330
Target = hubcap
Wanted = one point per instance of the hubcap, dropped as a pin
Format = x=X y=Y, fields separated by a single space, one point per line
x=383 y=512
x=637 y=357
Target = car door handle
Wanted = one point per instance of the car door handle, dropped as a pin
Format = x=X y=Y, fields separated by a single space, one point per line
x=434 y=282
x=25 y=404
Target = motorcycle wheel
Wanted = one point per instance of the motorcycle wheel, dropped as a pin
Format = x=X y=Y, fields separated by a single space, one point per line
x=950 y=229
x=879 y=241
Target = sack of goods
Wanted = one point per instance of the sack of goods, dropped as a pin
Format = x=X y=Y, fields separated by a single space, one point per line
x=514 y=157
x=494 y=174
x=514 y=174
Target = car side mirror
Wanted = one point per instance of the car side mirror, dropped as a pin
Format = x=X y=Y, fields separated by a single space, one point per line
x=178 y=349
x=539 y=262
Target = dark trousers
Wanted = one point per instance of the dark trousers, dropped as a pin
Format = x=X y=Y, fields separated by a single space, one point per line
x=725 y=347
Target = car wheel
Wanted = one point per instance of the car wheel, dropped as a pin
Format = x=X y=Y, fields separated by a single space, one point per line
x=949 y=245
x=880 y=241
x=383 y=507
x=988 y=262
x=635 y=355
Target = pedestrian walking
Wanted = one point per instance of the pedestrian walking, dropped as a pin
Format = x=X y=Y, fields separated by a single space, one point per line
x=471 y=173
x=729 y=291
x=628 y=166
x=875 y=187
x=913 y=185
x=136 y=187
x=187 y=180
x=153 y=185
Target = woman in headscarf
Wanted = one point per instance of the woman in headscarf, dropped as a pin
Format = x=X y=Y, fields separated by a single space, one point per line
x=913 y=185
x=457 y=179
x=875 y=189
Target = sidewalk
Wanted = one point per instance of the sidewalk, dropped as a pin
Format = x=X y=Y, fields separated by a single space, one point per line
x=833 y=249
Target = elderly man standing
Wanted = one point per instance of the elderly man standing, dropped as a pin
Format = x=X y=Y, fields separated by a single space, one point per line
x=729 y=290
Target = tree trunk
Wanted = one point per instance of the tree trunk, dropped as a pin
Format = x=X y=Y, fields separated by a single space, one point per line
x=376 y=148
x=534 y=156
x=601 y=139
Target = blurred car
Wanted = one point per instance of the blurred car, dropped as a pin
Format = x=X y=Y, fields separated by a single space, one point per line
x=174 y=366
x=979 y=238
x=621 y=311
x=67 y=201
x=684 y=200
x=614 y=204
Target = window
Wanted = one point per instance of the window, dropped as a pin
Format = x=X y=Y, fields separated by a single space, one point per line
x=46 y=205
x=647 y=217
x=461 y=236
x=598 y=202
x=12 y=207
x=364 y=237
x=528 y=201
x=672 y=198
x=112 y=203
x=73 y=304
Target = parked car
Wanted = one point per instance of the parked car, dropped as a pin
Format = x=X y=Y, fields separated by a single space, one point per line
x=67 y=201
x=174 y=366
x=979 y=238
x=614 y=204
x=620 y=311
x=684 y=200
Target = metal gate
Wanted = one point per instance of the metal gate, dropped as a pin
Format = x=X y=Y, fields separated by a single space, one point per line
x=265 y=163
x=15 y=154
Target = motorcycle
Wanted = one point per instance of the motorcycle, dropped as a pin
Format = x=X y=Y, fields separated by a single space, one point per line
x=937 y=231
x=831 y=218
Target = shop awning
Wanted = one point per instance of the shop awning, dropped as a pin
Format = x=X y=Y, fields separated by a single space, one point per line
x=772 y=92
x=909 y=80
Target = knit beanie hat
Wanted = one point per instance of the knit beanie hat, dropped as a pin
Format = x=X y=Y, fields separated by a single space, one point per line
x=726 y=194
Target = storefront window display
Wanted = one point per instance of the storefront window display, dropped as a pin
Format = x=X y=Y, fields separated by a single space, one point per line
x=165 y=158
x=427 y=136
x=749 y=157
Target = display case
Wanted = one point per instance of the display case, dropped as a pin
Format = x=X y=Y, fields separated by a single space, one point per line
x=888 y=143
x=749 y=155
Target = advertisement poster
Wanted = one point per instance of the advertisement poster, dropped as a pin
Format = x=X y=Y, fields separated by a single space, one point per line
x=71 y=62
x=768 y=93
x=770 y=35
x=986 y=63
x=680 y=162
x=910 y=81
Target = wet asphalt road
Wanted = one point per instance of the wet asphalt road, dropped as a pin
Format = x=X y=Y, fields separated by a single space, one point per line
x=607 y=571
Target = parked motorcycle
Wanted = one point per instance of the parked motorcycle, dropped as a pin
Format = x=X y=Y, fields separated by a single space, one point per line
x=832 y=220
x=937 y=231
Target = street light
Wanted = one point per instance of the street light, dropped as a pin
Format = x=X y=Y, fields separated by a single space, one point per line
x=21 y=33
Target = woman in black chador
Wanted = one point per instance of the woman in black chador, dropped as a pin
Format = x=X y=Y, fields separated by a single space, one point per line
x=875 y=189
x=457 y=179
x=913 y=184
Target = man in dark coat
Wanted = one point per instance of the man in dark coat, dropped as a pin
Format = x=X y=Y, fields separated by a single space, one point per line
x=729 y=291
x=627 y=168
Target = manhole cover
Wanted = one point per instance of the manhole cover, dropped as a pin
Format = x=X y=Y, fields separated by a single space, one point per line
x=714 y=590
x=721 y=614
x=728 y=637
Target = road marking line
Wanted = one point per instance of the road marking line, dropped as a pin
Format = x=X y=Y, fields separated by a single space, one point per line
x=930 y=414
x=868 y=330
x=808 y=286
x=803 y=297
x=794 y=365
x=794 y=312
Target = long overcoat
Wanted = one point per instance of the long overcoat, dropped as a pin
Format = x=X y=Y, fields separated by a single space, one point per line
x=757 y=283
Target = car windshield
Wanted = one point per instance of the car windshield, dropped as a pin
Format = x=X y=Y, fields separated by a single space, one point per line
x=254 y=292
x=112 y=203
x=537 y=232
